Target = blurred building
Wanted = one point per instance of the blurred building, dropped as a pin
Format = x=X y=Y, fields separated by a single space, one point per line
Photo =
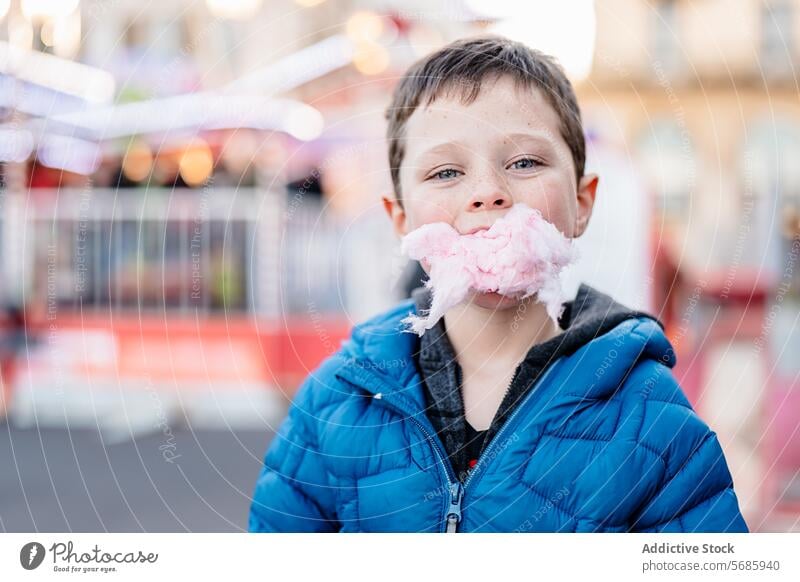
x=703 y=98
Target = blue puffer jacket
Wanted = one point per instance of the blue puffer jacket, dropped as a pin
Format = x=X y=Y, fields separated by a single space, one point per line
x=605 y=441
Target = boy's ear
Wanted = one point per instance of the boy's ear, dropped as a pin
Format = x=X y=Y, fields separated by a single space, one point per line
x=396 y=214
x=587 y=190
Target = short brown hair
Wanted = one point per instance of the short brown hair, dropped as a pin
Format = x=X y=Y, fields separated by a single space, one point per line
x=465 y=64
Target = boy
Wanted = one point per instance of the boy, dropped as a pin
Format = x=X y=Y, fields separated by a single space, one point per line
x=497 y=418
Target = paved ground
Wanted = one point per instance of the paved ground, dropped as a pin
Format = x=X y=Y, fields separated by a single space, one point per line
x=59 y=480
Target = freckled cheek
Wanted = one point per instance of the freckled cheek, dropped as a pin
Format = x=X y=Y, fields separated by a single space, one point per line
x=551 y=198
x=422 y=211
x=559 y=215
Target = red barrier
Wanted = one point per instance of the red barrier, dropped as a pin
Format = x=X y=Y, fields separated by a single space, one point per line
x=224 y=349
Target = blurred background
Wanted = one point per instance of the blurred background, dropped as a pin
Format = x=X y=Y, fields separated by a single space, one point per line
x=190 y=221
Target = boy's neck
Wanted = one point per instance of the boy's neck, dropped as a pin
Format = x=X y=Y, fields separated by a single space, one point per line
x=485 y=338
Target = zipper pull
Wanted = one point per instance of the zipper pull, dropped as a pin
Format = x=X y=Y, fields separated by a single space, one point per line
x=454 y=512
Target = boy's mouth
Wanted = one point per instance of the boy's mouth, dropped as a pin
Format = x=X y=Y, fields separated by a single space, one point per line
x=523 y=256
x=476 y=229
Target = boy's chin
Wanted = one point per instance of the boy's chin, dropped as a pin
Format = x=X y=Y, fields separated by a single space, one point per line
x=493 y=300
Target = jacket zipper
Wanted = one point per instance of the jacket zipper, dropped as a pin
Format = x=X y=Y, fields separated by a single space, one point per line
x=454 y=511
x=481 y=462
x=453 y=515
x=455 y=488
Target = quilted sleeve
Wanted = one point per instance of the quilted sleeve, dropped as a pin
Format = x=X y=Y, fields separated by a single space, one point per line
x=695 y=492
x=293 y=493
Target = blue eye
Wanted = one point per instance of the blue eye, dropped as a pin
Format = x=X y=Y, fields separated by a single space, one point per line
x=525 y=164
x=446 y=174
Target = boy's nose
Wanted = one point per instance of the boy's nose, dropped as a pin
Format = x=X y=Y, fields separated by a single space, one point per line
x=489 y=199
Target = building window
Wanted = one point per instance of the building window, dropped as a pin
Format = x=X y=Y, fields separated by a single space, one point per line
x=665 y=37
x=668 y=161
x=770 y=190
x=777 y=38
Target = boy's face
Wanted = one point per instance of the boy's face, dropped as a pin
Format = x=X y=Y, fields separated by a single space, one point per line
x=466 y=165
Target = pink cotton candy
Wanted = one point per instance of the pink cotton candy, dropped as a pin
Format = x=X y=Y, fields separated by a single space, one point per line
x=520 y=255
